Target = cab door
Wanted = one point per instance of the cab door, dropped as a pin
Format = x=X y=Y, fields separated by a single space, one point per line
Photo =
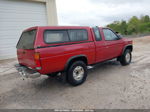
x=113 y=44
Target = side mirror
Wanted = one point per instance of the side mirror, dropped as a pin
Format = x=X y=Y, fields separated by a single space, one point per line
x=117 y=32
x=119 y=35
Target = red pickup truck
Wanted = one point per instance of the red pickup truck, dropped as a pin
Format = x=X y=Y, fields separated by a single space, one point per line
x=69 y=50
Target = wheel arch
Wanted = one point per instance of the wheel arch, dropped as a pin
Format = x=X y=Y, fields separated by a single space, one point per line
x=76 y=58
x=130 y=46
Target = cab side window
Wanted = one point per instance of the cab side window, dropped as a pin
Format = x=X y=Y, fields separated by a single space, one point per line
x=97 y=34
x=109 y=35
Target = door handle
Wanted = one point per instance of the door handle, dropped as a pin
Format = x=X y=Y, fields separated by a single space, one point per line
x=23 y=52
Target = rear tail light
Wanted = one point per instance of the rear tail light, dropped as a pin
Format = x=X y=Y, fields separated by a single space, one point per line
x=37 y=56
x=37 y=61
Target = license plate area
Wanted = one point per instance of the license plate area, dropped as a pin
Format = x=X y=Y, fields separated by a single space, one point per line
x=27 y=72
x=23 y=73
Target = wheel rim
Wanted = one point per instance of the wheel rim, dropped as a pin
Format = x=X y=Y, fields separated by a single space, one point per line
x=128 y=57
x=78 y=73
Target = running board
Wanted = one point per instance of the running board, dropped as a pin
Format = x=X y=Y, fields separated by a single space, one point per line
x=90 y=67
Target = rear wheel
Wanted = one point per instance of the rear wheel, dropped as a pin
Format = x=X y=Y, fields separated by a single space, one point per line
x=126 y=58
x=77 y=73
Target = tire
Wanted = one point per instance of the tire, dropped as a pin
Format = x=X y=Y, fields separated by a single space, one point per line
x=126 y=58
x=77 y=73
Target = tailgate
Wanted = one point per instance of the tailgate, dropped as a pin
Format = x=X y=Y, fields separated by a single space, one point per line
x=26 y=57
x=25 y=48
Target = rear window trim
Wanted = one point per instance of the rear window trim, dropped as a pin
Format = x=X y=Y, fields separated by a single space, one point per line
x=34 y=38
x=67 y=30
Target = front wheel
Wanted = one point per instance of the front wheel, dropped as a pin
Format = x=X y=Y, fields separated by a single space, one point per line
x=126 y=58
x=77 y=73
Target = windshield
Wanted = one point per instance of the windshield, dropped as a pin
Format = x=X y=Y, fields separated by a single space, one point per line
x=26 y=40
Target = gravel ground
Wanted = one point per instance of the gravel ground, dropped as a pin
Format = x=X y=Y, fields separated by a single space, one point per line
x=108 y=86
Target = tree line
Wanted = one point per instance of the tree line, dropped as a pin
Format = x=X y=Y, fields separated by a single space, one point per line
x=134 y=25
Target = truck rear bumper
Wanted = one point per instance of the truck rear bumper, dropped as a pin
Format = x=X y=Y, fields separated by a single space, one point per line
x=27 y=72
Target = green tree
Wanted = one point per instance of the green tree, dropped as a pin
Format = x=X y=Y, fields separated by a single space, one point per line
x=144 y=25
x=123 y=27
x=115 y=26
x=133 y=25
x=145 y=19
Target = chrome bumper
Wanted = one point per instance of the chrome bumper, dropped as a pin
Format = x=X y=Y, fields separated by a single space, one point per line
x=27 y=72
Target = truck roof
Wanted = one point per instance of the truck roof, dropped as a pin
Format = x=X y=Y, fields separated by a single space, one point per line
x=58 y=27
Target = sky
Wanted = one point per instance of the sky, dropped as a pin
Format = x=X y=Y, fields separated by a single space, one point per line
x=99 y=12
